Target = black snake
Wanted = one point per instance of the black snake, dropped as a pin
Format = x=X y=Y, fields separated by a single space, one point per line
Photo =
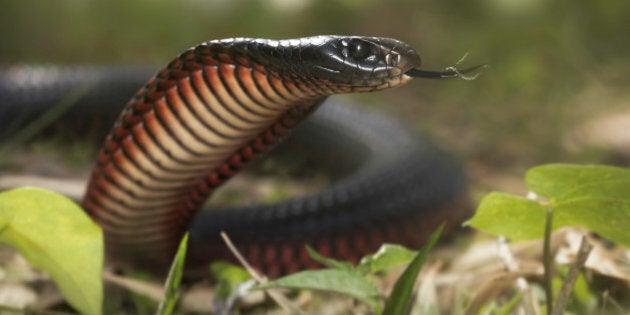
x=222 y=104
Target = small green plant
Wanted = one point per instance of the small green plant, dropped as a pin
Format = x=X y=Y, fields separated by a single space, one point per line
x=594 y=197
x=56 y=236
x=341 y=277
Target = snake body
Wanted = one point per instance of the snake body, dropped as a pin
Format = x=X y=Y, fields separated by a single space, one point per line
x=222 y=104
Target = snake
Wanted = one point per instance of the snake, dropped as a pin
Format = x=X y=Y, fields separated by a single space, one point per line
x=221 y=105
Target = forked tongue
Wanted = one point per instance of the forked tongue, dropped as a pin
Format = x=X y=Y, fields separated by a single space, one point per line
x=450 y=72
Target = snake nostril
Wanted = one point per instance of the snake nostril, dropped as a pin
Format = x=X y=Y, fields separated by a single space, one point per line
x=392 y=60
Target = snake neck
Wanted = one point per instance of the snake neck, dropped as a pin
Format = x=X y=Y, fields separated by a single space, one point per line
x=193 y=126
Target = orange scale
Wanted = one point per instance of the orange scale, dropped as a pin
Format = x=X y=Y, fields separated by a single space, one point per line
x=167 y=84
x=360 y=243
x=248 y=153
x=224 y=58
x=188 y=55
x=323 y=247
x=253 y=253
x=278 y=129
x=291 y=267
x=237 y=161
x=120 y=133
x=103 y=159
x=109 y=170
x=174 y=64
x=202 y=50
x=192 y=66
x=287 y=254
x=392 y=232
x=289 y=122
x=153 y=96
x=226 y=170
x=260 y=69
x=196 y=196
x=119 y=158
x=272 y=270
x=111 y=145
x=259 y=145
x=209 y=61
x=269 y=253
x=342 y=248
x=376 y=239
x=189 y=204
x=303 y=257
x=179 y=74
x=269 y=137
x=142 y=107
x=130 y=119
x=214 y=180
x=204 y=187
x=412 y=230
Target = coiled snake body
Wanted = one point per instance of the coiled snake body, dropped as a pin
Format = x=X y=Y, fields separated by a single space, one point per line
x=224 y=103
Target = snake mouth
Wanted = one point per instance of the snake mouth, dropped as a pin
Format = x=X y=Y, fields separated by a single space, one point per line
x=378 y=84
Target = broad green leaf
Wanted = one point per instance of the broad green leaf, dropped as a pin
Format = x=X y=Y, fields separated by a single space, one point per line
x=399 y=301
x=514 y=217
x=387 y=257
x=56 y=236
x=330 y=280
x=328 y=262
x=174 y=278
x=606 y=216
x=554 y=180
x=594 y=197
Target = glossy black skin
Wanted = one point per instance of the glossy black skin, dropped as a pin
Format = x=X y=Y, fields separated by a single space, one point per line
x=341 y=60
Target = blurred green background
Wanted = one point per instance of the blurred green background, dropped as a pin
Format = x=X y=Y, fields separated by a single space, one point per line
x=554 y=64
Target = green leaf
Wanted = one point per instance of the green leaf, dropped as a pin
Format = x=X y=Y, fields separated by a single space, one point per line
x=173 y=280
x=331 y=280
x=56 y=236
x=613 y=189
x=594 y=197
x=514 y=217
x=605 y=216
x=387 y=257
x=554 y=180
x=399 y=301
x=328 y=262
x=228 y=277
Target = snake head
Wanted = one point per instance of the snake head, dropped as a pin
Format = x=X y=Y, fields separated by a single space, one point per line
x=356 y=63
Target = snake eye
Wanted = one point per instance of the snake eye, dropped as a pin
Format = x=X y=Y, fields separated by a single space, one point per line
x=359 y=50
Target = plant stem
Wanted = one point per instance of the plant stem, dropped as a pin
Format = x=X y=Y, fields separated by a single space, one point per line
x=547 y=260
x=569 y=280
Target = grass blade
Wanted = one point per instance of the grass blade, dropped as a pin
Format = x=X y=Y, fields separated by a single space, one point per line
x=400 y=299
x=174 y=279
